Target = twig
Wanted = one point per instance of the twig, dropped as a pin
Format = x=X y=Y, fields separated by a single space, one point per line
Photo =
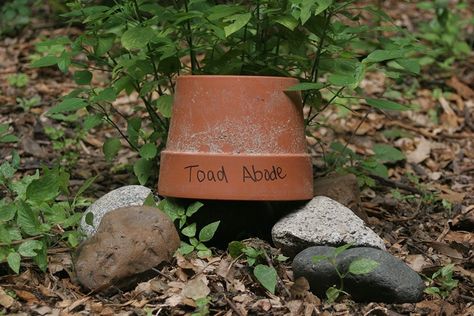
x=396 y=184
x=16 y=242
x=232 y=305
x=162 y=274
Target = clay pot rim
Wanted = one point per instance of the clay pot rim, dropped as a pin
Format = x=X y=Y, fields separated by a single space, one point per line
x=248 y=77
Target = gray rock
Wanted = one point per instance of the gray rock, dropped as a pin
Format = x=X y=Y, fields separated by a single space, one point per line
x=129 y=242
x=320 y=222
x=392 y=281
x=124 y=196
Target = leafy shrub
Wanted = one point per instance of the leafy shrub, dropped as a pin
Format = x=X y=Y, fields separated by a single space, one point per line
x=144 y=45
x=14 y=15
x=33 y=214
x=445 y=33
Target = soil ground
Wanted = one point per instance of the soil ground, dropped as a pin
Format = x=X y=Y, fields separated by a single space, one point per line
x=425 y=233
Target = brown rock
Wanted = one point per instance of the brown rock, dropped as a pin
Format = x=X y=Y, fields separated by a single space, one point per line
x=343 y=189
x=129 y=242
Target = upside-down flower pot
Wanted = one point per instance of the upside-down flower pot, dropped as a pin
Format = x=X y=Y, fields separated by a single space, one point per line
x=236 y=138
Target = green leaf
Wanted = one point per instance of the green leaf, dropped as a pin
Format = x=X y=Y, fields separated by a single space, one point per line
x=92 y=121
x=27 y=249
x=85 y=185
x=68 y=105
x=316 y=259
x=282 y=258
x=332 y=294
x=185 y=248
x=148 y=151
x=193 y=208
x=382 y=55
x=64 y=61
x=208 y=231
x=435 y=291
x=341 y=249
x=89 y=218
x=73 y=238
x=137 y=37
x=410 y=65
x=46 y=188
x=287 y=21
x=386 y=105
x=362 y=266
x=239 y=21
x=341 y=79
x=322 y=5
x=7 y=212
x=108 y=94
x=267 y=276
x=235 y=248
x=82 y=77
x=387 y=153
x=4 y=235
x=46 y=61
x=27 y=220
x=14 y=260
x=189 y=231
x=111 y=148
x=164 y=104
x=9 y=138
x=4 y=127
x=169 y=208
x=143 y=169
x=204 y=253
x=303 y=86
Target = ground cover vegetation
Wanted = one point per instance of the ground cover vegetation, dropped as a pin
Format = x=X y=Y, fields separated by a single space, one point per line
x=86 y=101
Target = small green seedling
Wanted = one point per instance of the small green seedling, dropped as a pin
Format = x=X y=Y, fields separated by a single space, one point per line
x=27 y=104
x=202 y=306
x=182 y=215
x=265 y=274
x=18 y=80
x=357 y=267
x=5 y=135
x=442 y=282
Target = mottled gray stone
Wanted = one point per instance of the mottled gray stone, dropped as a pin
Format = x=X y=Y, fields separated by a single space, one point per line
x=130 y=195
x=392 y=281
x=322 y=222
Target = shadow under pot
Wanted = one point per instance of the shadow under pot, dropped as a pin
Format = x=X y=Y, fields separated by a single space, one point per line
x=236 y=138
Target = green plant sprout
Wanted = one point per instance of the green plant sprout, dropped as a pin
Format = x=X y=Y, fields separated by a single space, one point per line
x=357 y=267
x=265 y=273
x=27 y=104
x=442 y=282
x=18 y=80
x=182 y=215
x=5 y=135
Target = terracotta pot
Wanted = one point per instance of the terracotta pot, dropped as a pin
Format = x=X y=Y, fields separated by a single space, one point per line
x=236 y=138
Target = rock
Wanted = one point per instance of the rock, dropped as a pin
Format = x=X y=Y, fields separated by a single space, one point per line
x=392 y=281
x=343 y=189
x=124 y=196
x=322 y=221
x=129 y=241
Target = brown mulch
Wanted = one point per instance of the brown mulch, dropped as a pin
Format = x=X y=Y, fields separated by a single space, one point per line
x=424 y=233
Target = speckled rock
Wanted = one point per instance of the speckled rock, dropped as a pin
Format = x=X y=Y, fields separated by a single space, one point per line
x=129 y=195
x=129 y=241
x=322 y=222
x=392 y=281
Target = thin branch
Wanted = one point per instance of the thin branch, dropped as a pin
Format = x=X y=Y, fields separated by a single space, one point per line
x=326 y=105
